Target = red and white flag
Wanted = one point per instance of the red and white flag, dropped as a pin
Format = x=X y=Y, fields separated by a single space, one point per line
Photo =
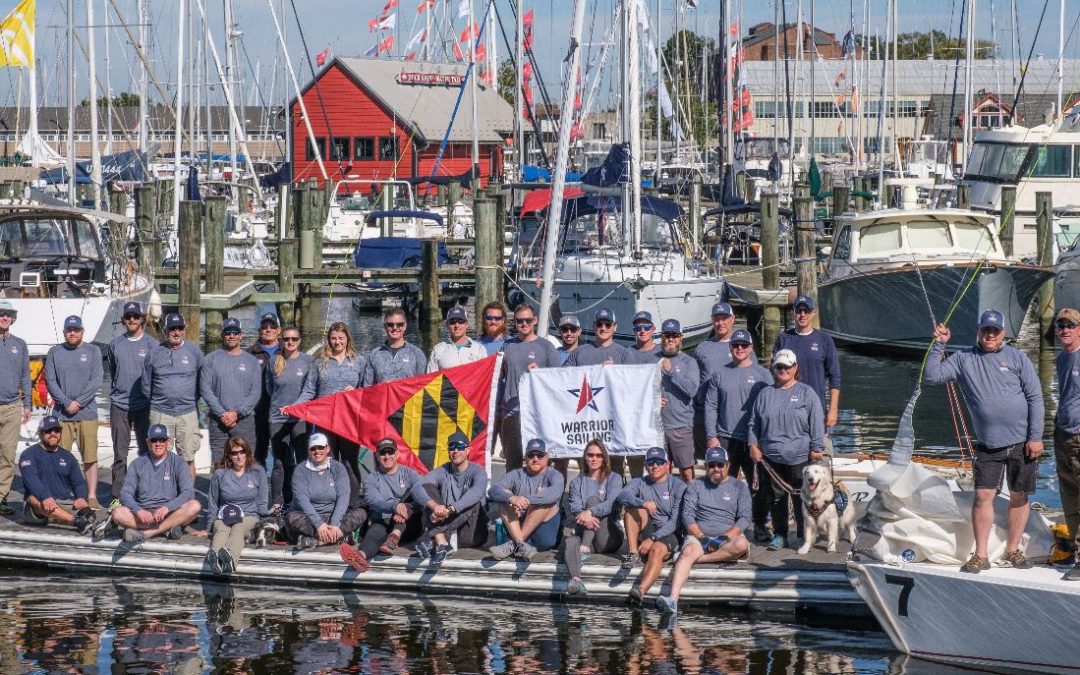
x=321 y=57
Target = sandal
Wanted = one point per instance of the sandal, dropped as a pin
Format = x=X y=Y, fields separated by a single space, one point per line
x=391 y=544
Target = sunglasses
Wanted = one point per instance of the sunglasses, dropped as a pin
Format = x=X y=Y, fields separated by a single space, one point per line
x=639 y=327
x=159 y=440
x=740 y=345
x=318 y=448
x=231 y=333
x=715 y=465
x=672 y=336
x=268 y=326
x=1065 y=325
x=7 y=315
x=51 y=431
x=569 y=329
x=456 y=322
x=780 y=367
x=492 y=317
x=535 y=455
x=237 y=453
x=524 y=321
x=387 y=452
x=458 y=448
x=73 y=330
x=596 y=455
x=604 y=324
x=803 y=310
x=177 y=329
x=394 y=324
x=656 y=462
x=132 y=317
x=290 y=339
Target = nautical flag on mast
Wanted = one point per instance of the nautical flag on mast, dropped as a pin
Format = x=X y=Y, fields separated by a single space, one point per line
x=382 y=23
x=384 y=46
x=425 y=5
x=17 y=36
x=847 y=47
x=321 y=57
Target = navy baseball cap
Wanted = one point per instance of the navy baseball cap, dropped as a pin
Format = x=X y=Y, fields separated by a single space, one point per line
x=231 y=514
x=73 y=322
x=671 y=326
x=722 y=309
x=157 y=432
x=133 y=308
x=536 y=445
x=173 y=321
x=992 y=318
x=716 y=455
x=270 y=318
x=569 y=320
x=231 y=325
x=48 y=423
x=604 y=314
x=643 y=316
x=457 y=441
x=653 y=454
x=804 y=300
x=741 y=335
x=457 y=313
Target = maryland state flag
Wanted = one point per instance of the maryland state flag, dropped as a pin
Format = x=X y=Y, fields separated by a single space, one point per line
x=420 y=413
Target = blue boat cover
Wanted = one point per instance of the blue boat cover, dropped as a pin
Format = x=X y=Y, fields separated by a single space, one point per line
x=589 y=204
x=613 y=171
x=539 y=174
x=281 y=176
x=392 y=252
x=122 y=166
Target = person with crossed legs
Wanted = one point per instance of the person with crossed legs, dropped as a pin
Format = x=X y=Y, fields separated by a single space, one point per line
x=528 y=500
x=453 y=500
x=158 y=496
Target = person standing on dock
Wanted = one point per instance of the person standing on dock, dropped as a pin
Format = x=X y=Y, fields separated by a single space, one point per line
x=395 y=358
x=284 y=377
x=458 y=348
x=453 y=499
x=712 y=354
x=1004 y=397
x=15 y=398
x=645 y=348
x=521 y=353
x=73 y=375
x=264 y=350
x=1067 y=427
x=679 y=382
x=819 y=362
x=129 y=409
x=493 y=327
x=569 y=337
x=158 y=496
x=230 y=382
x=55 y=488
x=171 y=383
x=528 y=500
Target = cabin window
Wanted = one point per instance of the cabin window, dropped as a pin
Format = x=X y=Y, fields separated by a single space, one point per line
x=363 y=148
x=997 y=160
x=973 y=237
x=879 y=238
x=85 y=241
x=388 y=149
x=928 y=235
x=315 y=142
x=1052 y=161
x=842 y=251
x=339 y=148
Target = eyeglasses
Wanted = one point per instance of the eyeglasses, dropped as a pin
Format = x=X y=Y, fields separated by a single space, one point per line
x=656 y=462
x=715 y=465
x=524 y=321
x=604 y=324
x=596 y=455
x=535 y=455
x=456 y=322
x=803 y=310
x=291 y=339
x=639 y=327
x=387 y=452
x=394 y=324
x=1065 y=325
x=237 y=453
x=130 y=317
x=458 y=448
x=493 y=317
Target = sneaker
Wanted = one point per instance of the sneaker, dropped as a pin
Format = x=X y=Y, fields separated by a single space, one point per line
x=391 y=544
x=776 y=543
x=586 y=556
x=212 y=561
x=629 y=560
x=504 y=550
x=576 y=587
x=175 y=532
x=225 y=561
x=305 y=542
x=133 y=536
x=635 y=597
x=525 y=551
x=441 y=553
x=6 y=510
x=794 y=540
x=93 y=503
x=353 y=558
x=1016 y=560
x=425 y=548
x=1072 y=574
x=975 y=564
x=762 y=534
x=664 y=603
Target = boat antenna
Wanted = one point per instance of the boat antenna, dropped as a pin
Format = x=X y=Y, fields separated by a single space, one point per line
x=1027 y=63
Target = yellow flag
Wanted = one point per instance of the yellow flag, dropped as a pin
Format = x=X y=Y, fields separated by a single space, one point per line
x=17 y=36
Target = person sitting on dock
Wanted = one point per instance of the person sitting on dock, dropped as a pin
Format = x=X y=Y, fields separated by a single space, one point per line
x=458 y=348
x=395 y=358
x=15 y=398
x=645 y=348
x=715 y=511
x=171 y=382
x=729 y=399
x=453 y=500
x=73 y=376
x=158 y=496
x=819 y=362
x=320 y=514
x=651 y=506
x=230 y=382
x=493 y=328
x=393 y=516
x=1004 y=397
x=712 y=354
x=569 y=337
x=55 y=488
x=679 y=381
x=1067 y=427
x=528 y=501
x=237 y=499
x=592 y=513
x=129 y=409
x=524 y=352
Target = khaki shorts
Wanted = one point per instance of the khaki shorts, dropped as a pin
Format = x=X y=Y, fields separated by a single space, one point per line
x=84 y=434
x=183 y=430
x=31 y=518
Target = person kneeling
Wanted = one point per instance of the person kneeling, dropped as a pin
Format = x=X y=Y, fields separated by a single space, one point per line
x=453 y=499
x=55 y=488
x=158 y=496
x=528 y=500
x=651 y=514
x=238 y=496
x=392 y=514
x=319 y=514
x=716 y=510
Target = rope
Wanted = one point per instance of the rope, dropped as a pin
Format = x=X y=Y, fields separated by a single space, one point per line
x=777 y=480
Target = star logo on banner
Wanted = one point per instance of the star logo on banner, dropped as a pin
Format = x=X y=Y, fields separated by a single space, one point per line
x=586 y=394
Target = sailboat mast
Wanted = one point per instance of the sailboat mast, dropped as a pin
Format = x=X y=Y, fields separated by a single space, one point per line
x=144 y=76
x=108 y=84
x=729 y=88
x=1061 y=57
x=71 y=101
x=519 y=96
x=472 y=93
x=178 y=121
x=896 y=89
x=633 y=103
x=230 y=74
x=813 y=80
x=95 y=149
x=659 y=84
x=968 y=91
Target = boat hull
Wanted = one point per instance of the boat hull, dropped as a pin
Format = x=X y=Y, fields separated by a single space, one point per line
x=41 y=320
x=889 y=310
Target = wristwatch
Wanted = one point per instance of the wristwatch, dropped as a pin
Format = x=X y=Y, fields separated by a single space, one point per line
x=452 y=510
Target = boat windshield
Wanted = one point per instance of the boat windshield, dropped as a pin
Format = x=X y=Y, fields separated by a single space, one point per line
x=761 y=148
x=973 y=237
x=997 y=161
x=604 y=228
x=927 y=237
x=48 y=238
x=879 y=239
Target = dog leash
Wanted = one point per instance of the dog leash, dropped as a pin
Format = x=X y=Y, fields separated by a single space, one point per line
x=777 y=480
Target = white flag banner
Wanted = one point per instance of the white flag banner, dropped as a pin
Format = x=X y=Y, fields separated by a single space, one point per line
x=568 y=407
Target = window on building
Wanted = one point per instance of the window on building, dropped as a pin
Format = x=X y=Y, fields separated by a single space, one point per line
x=765 y=110
x=315 y=142
x=824 y=109
x=388 y=149
x=599 y=130
x=909 y=109
x=363 y=147
x=339 y=148
x=1052 y=161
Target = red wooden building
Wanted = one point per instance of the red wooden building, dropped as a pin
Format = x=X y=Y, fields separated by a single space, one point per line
x=377 y=119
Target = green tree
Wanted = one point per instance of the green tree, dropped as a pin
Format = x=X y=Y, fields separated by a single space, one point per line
x=683 y=58
x=125 y=99
x=506 y=81
x=917 y=46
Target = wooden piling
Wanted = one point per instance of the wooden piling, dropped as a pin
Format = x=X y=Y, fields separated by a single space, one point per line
x=286 y=275
x=841 y=195
x=214 y=245
x=772 y=316
x=319 y=207
x=805 y=249
x=430 y=314
x=190 y=237
x=963 y=196
x=502 y=200
x=302 y=207
x=1008 y=218
x=857 y=188
x=740 y=185
x=802 y=190
x=7 y=190
x=1044 y=225
x=145 y=203
x=488 y=255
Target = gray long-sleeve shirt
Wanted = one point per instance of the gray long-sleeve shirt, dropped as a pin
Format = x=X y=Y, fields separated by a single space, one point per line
x=74 y=374
x=127 y=360
x=285 y=388
x=787 y=423
x=1068 y=375
x=711 y=355
x=149 y=485
x=667 y=495
x=171 y=378
x=14 y=371
x=384 y=491
x=589 y=354
x=1001 y=390
x=517 y=357
x=716 y=508
x=230 y=382
x=729 y=398
x=385 y=364
x=680 y=385
x=542 y=489
x=325 y=377
x=607 y=492
x=321 y=496
x=460 y=489
x=250 y=491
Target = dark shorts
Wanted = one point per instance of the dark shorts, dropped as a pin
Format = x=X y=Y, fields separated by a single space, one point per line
x=1012 y=461
x=670 y=540
x=680 y=446
x=545 y=537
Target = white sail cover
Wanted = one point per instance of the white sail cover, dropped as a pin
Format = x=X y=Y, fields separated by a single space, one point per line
x=917 y=510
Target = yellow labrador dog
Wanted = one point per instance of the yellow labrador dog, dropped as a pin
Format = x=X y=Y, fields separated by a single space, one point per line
x=819 y=509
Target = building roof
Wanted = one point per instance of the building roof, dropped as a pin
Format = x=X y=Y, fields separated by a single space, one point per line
x=54 y=118
x=428 y=108
x=766 y=31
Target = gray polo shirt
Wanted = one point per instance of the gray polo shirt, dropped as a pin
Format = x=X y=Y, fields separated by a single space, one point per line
x=680 y=385
x=14 y=371
x=787 y=423
x=327 y=376
x=284 y=388
x=589 y=354
x=1068 y=375
x=518 y=356
x=74 y=374
x=460 y=489
x=716 y=508
x=385 y=364
x=729 y=398
x=150 y=484
x=230 y=382
x=711 y=355
x=384 y=491
x=171 y=378
x=667 y=495
x=250 y=491
x=127 y=360
x=582 y=488
x=542 y=489
x=321 y=496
